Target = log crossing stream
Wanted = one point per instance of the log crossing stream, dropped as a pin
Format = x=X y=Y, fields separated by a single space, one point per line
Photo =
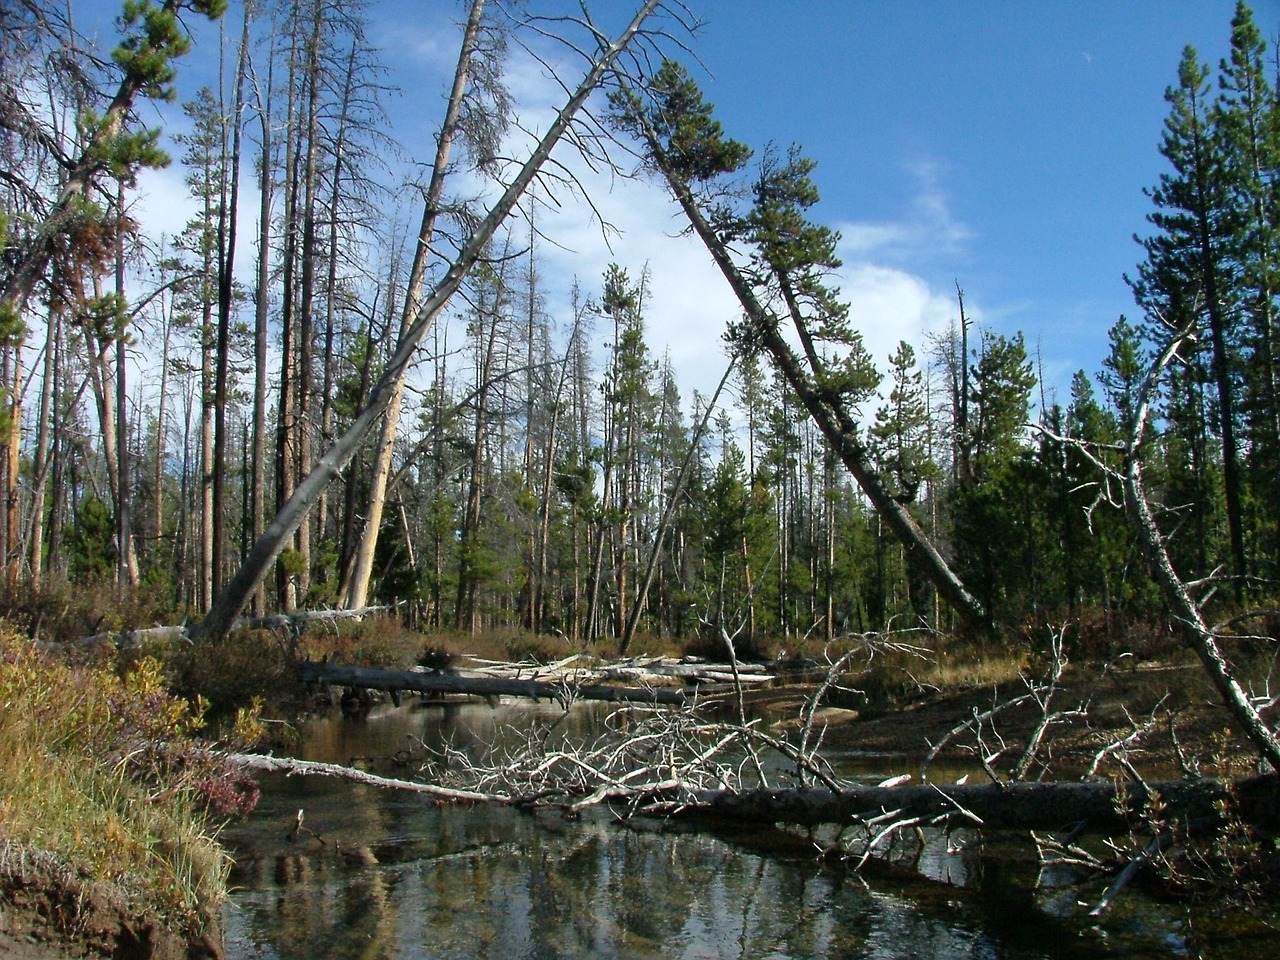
x=387 y=874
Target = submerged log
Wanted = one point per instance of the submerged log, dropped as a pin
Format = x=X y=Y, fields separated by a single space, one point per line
x=374 y=678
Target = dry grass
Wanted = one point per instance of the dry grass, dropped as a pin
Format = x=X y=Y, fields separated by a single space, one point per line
x=885 y=675
x=80 y=779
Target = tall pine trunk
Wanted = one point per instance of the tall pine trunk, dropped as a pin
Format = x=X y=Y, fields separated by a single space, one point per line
x=357 y=591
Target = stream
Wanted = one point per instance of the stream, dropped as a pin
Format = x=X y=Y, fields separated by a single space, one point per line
x=489 y=882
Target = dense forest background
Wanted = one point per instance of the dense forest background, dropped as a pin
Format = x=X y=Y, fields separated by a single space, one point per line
x=548 y=473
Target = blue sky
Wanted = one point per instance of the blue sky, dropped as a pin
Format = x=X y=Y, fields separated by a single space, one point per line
x=1004 y=145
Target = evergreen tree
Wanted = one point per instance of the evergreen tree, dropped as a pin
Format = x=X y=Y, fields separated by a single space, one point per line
x=900 y=443
x=1190 y=276
x=900 y=433
x=994 y=512
x=1248 y=125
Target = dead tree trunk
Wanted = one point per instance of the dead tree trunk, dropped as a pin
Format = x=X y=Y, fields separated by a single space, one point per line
x=1099 y=807
x=375 y=678
x=1196 y=632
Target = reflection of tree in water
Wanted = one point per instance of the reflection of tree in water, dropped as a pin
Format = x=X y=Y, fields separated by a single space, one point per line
x=313 y=905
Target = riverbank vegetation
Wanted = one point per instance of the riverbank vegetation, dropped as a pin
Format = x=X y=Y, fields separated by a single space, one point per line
x=102 y=775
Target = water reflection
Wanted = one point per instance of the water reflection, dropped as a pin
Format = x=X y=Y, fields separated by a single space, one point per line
x=453 y=882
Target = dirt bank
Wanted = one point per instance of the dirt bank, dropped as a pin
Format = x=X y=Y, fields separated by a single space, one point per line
x=48 y=912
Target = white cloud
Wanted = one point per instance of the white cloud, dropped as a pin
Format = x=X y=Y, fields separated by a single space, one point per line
x=889 y=305
x=884 y=265
x=927 y=228
x=162 y=201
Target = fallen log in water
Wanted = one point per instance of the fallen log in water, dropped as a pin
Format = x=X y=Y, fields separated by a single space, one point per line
x=1098 y=806
x=423 y=681
x=1094 y=807
x=642 y=670
x=313 y=768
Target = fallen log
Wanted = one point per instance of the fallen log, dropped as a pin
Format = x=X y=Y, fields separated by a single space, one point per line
x=137 y=639
x=423 y=681
x=1096 y=807
x=265 y=763
x=644 y=671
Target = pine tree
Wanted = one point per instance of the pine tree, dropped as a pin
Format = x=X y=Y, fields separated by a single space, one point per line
x=900 y=444
x=900 y=433
x=1189 y=275
x=1248 y=124
x=993 y=511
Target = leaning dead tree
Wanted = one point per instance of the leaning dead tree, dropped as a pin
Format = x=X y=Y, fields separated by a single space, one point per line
x=295 y=510
x=775 y=262
x=1187 y=612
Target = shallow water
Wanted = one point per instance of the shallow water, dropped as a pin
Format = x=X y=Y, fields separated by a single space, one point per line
x=486 y=882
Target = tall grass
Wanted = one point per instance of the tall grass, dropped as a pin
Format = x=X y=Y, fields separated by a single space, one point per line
x=88 y=774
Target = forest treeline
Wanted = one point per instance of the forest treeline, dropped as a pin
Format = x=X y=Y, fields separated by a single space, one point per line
x=548 y=472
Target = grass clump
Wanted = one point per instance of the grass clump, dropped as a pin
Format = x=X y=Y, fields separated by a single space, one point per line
x=99 y=767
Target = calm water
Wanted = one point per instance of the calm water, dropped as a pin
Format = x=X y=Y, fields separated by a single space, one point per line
x=493 y=883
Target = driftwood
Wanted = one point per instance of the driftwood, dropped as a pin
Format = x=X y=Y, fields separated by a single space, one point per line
x=422 y=681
